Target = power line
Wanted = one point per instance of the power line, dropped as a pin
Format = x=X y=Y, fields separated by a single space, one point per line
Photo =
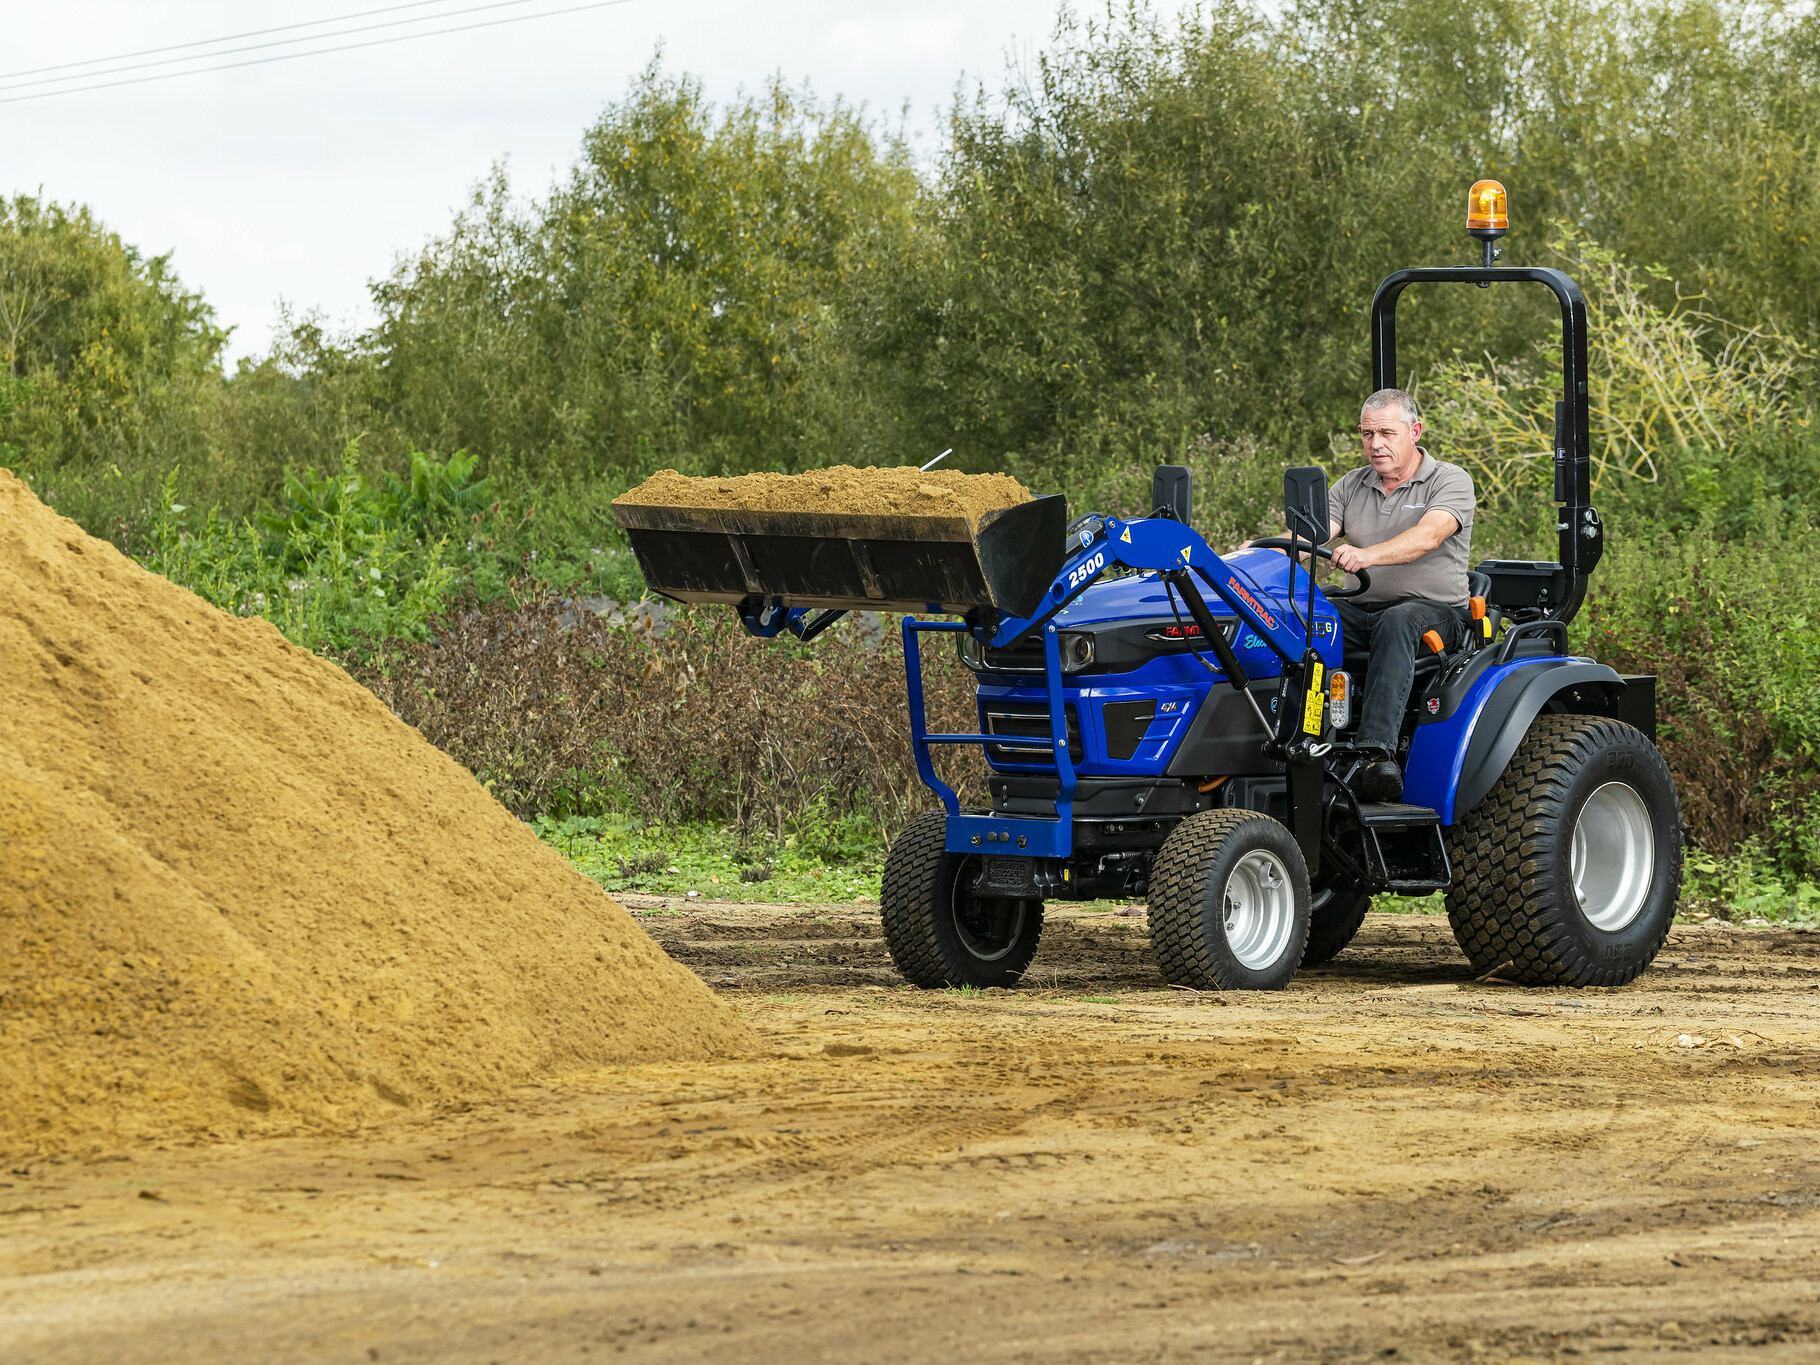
x=225 y=38
x=7 y=84
x=315 y=52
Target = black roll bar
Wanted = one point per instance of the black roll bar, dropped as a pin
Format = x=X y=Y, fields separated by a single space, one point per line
x=1582 y=535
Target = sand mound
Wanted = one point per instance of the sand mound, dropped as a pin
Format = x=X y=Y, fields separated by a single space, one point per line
x=237 y=894
x=906 y=491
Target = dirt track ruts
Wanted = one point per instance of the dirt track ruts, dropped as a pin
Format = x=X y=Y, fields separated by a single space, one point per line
x=1387 y=1158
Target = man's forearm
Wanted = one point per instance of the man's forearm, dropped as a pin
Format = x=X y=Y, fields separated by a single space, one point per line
x=1425 y=536
x=1406 y=548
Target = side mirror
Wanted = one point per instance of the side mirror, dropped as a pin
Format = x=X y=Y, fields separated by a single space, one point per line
x=1172 y=493
x=1305 y=504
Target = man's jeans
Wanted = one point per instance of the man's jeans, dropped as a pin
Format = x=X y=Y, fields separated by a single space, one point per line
x=1392 y=631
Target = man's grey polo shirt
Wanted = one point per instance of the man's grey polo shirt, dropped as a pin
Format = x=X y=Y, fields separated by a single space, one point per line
x=1368 y=516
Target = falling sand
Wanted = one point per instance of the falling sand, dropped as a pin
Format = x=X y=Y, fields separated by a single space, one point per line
x=237 y=895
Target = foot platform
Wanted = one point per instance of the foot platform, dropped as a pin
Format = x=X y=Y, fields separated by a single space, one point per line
x=1397 y=848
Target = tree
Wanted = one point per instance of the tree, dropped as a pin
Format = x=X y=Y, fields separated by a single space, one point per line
x=674 y=302
x=106 y=357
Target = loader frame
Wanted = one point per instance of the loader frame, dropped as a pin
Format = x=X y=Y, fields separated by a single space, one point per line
x=1175 y=551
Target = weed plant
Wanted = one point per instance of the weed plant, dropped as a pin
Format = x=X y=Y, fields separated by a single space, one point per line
x=1751 y=886
x=339 y=560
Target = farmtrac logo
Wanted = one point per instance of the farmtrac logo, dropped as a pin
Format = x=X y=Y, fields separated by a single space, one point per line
x=1251 y=602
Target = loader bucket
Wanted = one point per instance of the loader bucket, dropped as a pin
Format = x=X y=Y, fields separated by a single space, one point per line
x=856 y=562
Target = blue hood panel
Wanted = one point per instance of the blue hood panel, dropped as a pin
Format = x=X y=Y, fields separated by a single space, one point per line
x=1142 y=597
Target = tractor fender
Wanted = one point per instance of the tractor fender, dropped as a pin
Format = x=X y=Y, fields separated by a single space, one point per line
x=1514 y=701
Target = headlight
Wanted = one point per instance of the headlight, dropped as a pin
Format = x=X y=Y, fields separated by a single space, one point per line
x=972 y=652
x=1076 y=650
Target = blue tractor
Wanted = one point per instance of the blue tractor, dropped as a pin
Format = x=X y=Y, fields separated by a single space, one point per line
x=1166 y=723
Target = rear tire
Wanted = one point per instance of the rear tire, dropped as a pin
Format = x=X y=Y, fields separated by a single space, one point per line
x=937 y=933
x=1229 y=903
x=1567 y=873
x=1334 y=918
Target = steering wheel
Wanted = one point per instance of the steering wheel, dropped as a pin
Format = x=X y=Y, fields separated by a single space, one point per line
x=1287 y=545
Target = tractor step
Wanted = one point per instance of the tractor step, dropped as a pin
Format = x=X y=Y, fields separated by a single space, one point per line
x=1404 y=852
x=1393 y=815
x=1405 y=886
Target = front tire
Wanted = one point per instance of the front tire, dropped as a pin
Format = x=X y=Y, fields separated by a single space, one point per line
x=1567 y=873
x=937 y=931
x=1334 y=918
x=1229 y=903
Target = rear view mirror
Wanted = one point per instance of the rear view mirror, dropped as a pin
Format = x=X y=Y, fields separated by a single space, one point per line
x=1172 y=493
x=1305 y=504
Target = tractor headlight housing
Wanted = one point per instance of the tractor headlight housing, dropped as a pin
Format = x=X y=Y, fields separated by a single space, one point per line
x=1076 y=648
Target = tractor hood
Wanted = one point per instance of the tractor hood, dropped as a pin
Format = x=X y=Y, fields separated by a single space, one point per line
x=1143 y=597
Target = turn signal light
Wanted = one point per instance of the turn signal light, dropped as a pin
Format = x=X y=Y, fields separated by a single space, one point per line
x=1339 y=699
x=1487 y=209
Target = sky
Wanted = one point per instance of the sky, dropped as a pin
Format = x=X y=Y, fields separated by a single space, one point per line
x=299 y=181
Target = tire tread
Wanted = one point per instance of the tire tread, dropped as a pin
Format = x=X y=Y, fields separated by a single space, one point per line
x=1505 y=854
x=1330 y=933
x=1178 y=881
x=909 y=886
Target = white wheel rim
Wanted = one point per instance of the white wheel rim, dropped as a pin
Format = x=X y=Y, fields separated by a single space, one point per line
x=1258 y=907
x=1614 y=856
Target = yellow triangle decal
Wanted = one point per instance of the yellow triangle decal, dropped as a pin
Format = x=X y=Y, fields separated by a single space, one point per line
x=1127 y=536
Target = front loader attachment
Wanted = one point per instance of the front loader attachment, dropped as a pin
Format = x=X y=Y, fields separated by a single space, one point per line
x=852 y=561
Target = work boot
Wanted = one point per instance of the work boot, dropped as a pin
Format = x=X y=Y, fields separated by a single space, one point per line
x=1378 y=779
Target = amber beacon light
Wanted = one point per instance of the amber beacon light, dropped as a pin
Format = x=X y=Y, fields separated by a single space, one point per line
x=1488 y=215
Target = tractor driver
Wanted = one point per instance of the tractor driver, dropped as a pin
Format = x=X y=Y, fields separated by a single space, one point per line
x=1407 y=517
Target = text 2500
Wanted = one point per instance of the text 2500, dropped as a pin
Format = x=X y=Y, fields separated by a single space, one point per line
x=1081 y=573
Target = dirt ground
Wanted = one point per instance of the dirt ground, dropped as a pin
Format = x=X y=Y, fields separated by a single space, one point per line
x=1389 y=1161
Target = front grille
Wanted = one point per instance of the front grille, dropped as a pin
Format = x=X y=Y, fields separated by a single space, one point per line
x=1026 y=656
x=1027 y=719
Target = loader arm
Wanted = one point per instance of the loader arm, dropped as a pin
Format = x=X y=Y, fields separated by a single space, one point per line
x=1159 y=545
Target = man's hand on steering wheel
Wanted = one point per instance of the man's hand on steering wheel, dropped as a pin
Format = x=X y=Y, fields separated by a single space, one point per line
x=1352 y=558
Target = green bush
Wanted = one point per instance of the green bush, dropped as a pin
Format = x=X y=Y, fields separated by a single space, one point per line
x=558 y=711
x=1731 y=629
x=104 y=356
x=340 y=561
x=671 y=303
